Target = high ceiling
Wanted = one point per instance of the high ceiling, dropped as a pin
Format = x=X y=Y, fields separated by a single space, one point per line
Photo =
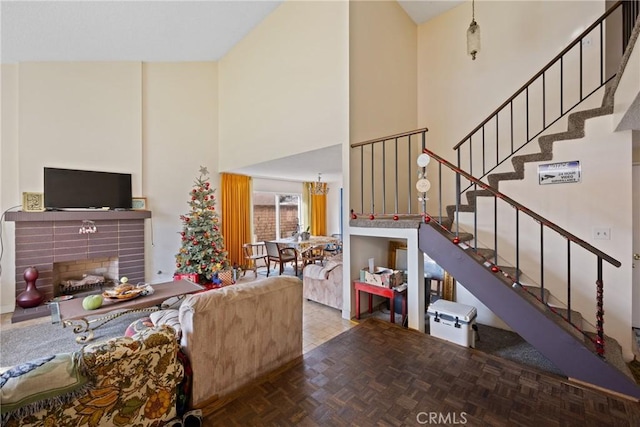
x=159 y=31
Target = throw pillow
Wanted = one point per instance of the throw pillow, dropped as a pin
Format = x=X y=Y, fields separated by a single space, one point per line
x=138 y=326
x=167 y=317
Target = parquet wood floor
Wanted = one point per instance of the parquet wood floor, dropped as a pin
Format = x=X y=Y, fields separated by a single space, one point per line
x=378 y=374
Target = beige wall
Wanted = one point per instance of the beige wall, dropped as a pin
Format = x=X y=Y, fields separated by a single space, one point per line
x=79 y=116
x=9 y=186
x=518 y=39
x=284 y=87
x=155 y=121
x=382 y=91
x=180 y=134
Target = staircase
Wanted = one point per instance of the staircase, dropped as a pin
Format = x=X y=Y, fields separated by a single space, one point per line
x=557 y=333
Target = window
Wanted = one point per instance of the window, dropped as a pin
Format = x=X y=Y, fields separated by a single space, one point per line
x=275 y=216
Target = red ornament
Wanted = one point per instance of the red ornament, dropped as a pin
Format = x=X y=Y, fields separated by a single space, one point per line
x=188 y=262
x=495 y=268
x=193 y=198
x=206 y=184
x=395 y=217
x=178 y=265
x=184 y=239
x=427 y=219
x=456 y=240
x=354 y=216
x=186 y=220
x=372 y=216
x=182 y=233
x=194 y=191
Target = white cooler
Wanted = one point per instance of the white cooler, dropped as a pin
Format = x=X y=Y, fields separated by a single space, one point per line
x=453 y=322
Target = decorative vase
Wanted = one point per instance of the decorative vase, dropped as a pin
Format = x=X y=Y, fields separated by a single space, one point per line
x=30 y=297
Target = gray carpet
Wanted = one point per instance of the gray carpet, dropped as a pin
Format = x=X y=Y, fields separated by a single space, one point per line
x=23 y=343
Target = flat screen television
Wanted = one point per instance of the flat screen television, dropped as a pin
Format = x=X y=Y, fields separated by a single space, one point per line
x=82 y=189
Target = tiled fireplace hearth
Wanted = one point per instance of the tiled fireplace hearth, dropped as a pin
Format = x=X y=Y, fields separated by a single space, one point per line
x=48 y=240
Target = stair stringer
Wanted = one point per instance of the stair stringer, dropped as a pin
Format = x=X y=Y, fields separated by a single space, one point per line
x=538 y=328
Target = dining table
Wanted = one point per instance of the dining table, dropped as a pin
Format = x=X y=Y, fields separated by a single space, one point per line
x=307 y=244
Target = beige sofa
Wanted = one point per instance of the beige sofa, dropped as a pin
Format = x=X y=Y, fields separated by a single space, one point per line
x=235 y=334
x=323 y=284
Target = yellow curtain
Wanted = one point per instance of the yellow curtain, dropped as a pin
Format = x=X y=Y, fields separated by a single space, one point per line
x=236 y=214
x=319 y=214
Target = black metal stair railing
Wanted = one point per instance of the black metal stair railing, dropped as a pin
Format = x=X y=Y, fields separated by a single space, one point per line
x=572 y=241
x=383 y=171
x=553 y=92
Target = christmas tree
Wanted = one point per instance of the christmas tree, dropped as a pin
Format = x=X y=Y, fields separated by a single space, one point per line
x=202 y=250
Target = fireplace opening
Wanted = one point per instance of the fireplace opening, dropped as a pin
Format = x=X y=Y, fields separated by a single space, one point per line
x=83 y=277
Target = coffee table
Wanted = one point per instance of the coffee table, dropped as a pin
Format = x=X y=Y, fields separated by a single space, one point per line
x=84 y=322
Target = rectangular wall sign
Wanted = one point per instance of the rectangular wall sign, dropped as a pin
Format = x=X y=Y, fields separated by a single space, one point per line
x=559 y=173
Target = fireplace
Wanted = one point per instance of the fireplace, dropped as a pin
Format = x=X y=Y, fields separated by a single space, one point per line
x=55 y=241
x=67 y=273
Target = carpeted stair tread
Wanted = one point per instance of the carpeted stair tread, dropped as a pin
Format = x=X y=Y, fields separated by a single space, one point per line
x=612 y=353
x=576 y=318
x=536 y=290
x=509 y=271
x=486 y=253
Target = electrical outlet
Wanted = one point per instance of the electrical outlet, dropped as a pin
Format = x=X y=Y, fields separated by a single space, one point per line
x=602 y=233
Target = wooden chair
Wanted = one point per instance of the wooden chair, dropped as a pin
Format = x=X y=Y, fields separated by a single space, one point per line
x=313 y=255
x=253 y=253
x=334 y=248
x=280 y=255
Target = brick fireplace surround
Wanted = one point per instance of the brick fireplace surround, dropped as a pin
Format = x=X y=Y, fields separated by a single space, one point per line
x=45 y=238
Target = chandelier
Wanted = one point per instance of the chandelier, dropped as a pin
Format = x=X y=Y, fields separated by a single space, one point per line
x=473 y=34
x=318 y=188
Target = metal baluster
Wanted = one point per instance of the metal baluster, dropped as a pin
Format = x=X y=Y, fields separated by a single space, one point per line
x=497 y=140
x=511 y=105
x=517 y=245
x=601 y=56
x=495 y=228
x=580 y=44
x=544 y=103
x=372 y=181
x=483 y=153
x=362 y=178
x=384 y=176
x=410 y=193
x=396 y=168
x=542 y=262
x=527 y=111
x=569 y=280
x=561 y=85
x=440 y=193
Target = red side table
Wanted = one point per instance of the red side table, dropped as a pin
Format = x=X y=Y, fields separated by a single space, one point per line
x=383 y=292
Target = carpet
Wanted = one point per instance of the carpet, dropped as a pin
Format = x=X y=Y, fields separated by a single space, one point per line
x=23 y=343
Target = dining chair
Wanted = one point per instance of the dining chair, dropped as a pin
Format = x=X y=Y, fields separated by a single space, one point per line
x=255 y=256
x=280 y=255
x=313 y=255
x=334 y=248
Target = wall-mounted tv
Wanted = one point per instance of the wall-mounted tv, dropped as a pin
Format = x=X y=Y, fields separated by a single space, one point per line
x=82 y=189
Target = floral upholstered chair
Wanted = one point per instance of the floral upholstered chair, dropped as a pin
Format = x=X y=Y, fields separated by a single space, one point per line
x=123 y=381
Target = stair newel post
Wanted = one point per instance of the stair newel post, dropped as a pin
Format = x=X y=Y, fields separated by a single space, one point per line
x=362 y=178
x=395 y=202
x=600 y=311
x=373 y=174
x=384 y=175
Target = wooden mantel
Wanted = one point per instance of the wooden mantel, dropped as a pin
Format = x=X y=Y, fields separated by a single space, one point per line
x=91 y=215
